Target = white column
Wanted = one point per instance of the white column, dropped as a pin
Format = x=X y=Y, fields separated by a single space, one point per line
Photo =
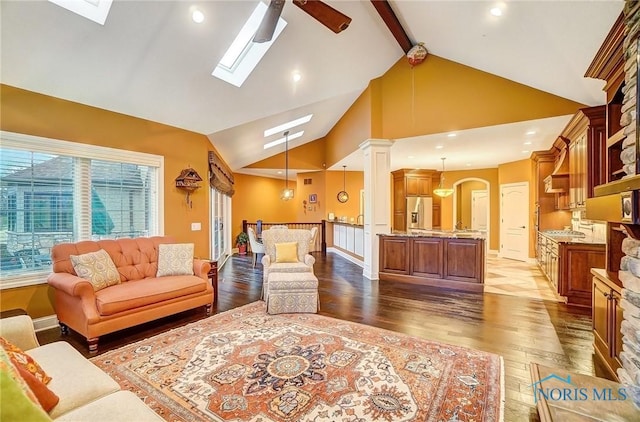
x=377 y=205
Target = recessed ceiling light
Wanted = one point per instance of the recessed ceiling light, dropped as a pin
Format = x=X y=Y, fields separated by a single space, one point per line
x=283 y=139
x=287 y=125
x=279 y=172
x=531 y=132
x=296 y=76
x=496 y=11
x=528 y=143
x=439 y=146
x=451 y=135
x=197 y=16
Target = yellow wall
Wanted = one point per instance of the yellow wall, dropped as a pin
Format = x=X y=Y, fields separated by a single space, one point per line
x=463 y=202
x=440 y=95
x=306 y=211
x=40 y=115
x=446 y=204
x=306 y=156
x=258 y=198
x=351 y=130
x=335 y=183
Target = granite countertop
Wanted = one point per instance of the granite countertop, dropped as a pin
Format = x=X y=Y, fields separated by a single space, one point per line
x=345 y=223
x=437 y=233
x=583 y=240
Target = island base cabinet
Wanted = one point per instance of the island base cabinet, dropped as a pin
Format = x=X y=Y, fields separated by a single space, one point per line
x=435 y=261
x=464 y=261
x=428 y=258
x=394 y=255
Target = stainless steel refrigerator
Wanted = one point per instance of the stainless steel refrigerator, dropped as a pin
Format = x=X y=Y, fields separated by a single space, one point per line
x=419 y=212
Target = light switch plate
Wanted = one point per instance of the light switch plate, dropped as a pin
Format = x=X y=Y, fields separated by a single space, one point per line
x=195 y=227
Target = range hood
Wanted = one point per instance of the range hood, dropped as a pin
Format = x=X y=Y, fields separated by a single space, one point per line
x=558 y=180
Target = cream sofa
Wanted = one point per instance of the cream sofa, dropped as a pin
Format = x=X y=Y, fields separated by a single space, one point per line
x=86 y=393
x=139 y=298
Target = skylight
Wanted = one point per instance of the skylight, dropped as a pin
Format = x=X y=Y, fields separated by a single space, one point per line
x=95 y=10
x=244 y=55
x=283 y=139
x=288 y=125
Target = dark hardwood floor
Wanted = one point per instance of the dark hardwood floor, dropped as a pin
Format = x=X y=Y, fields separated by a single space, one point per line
x=521 y=330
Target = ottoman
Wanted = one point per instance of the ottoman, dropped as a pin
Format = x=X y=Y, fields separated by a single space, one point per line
x=292 y=293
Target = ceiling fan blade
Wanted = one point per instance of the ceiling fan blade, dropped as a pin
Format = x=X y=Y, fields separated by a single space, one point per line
x=325 y=14
x=269 y=21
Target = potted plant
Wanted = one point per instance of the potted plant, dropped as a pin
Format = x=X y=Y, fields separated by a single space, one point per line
x=241 y=242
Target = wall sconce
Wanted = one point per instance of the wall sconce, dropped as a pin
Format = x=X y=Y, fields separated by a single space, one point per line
x=188 y=181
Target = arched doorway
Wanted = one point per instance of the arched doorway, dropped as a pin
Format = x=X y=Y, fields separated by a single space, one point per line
x=472 y=205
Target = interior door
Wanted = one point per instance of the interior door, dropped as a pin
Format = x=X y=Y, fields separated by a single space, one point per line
x=479 y=206
x=514 y=221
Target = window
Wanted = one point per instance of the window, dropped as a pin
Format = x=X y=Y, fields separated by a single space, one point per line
x=55 y=191
x=243 y=55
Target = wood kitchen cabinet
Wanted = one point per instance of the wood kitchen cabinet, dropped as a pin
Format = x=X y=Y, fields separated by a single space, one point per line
x=447 y=262
x=411 y=182
x=586 y=133
x=567 y=265
x=607 y=318
x=418 y=185
x=575 y=260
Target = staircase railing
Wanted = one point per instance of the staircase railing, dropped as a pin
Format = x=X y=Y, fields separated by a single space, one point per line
x=320 y=244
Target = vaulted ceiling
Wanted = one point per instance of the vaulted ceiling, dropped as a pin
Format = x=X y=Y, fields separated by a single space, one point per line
x=150 y=60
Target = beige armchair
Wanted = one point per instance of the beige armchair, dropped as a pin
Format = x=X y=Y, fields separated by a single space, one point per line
x=271 y=237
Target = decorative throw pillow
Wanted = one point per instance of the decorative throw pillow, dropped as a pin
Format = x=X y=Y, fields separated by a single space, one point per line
x=97 y=268
x=47 y=398
x=287 y=252
x=21 y=358
x=13 y=389
x=175 y=259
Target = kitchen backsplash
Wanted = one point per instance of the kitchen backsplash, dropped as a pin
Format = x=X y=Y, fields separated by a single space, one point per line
x=593 y=230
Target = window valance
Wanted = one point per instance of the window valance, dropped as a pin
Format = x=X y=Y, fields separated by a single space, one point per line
x=221 y=177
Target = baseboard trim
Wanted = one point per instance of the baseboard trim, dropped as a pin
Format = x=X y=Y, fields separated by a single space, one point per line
x=346 y=256
x=45 y=323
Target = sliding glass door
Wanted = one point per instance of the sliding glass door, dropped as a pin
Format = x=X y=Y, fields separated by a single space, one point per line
x=220 y=226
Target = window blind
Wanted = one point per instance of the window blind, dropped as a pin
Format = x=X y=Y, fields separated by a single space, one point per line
x=54 y=191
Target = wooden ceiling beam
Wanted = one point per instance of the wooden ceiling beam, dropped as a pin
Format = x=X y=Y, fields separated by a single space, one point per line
x=391 y=20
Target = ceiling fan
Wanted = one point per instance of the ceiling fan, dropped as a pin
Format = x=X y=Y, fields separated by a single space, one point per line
x=319 y=10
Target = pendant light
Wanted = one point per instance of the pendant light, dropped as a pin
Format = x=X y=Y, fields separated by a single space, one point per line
x=287 y=193
x=441 y=191
x=343 y=196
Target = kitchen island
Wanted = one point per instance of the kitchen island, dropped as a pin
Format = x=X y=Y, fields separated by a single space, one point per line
x=445 y=259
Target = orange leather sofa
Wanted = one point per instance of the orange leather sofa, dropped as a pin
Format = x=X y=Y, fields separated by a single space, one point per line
x=140 y=297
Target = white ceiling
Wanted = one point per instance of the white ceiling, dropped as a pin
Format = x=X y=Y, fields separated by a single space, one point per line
x=151 y=61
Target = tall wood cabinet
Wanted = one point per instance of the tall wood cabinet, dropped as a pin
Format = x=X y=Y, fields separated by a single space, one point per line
x=587 y=137
x=412 y=182
x=605 y=205
x=607 y=319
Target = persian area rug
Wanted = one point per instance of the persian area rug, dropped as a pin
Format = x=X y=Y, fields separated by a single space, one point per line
x=246 y=365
